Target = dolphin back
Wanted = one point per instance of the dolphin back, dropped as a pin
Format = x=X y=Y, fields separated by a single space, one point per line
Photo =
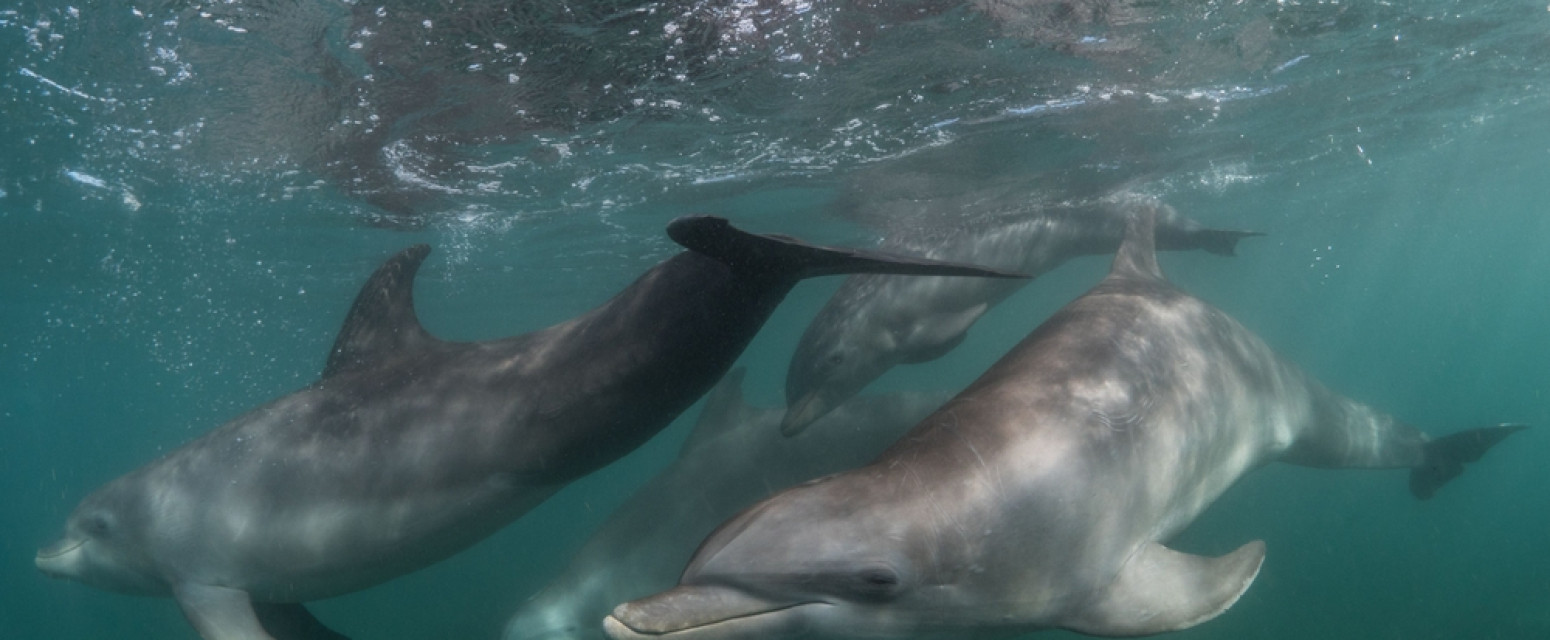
x=785 y=257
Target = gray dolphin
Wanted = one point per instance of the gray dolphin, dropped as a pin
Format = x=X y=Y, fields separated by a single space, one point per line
x=734 y=457
x=1040 y=497
x=410 y=448
x=875 y=322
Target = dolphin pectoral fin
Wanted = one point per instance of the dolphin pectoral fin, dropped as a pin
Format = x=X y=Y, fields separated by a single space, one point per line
x=291 y=621
x=942 y=334
x=219 y=613
x=1160 y=589
x=1444 y=457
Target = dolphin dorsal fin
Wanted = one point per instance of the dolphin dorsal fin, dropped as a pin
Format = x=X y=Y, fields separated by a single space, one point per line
x=724 y=409
x=1137 y=255
x=382 y=320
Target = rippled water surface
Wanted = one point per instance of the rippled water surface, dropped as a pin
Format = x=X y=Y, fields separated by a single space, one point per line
x=190 y=194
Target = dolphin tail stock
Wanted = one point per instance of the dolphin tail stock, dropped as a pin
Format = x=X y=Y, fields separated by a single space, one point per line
x=1445 y=457
x=781 y=256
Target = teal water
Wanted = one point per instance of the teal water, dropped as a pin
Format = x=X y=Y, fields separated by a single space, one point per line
x=190 y=195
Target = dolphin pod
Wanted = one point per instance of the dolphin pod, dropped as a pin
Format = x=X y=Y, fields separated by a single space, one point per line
x=876 y=322
x=735 y=456
x=410 y=448
x=1041 y=496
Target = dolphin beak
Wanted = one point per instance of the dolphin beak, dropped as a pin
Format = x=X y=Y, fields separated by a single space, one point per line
x=704 y=612
x=54 y=560
x=803 y=413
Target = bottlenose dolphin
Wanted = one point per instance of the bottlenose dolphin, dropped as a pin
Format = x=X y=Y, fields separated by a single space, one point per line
x=734 y=457
x=1040 y=497
x=874 y=322
x=410 y=448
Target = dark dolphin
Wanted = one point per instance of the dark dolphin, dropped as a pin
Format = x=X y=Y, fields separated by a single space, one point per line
x=410 y=448
x=876 y=322
x=1041 y=496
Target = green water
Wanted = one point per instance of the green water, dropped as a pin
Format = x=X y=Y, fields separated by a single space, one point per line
x=190 y=196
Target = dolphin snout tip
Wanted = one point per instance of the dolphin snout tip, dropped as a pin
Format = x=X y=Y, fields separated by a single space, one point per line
x=802 y=414
x=46 y=566
x=52 y=559
x=619 y=631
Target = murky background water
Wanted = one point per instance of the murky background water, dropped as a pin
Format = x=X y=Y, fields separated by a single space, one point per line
x=191 y=193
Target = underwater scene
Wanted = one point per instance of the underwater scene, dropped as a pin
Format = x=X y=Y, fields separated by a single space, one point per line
x=521 y=320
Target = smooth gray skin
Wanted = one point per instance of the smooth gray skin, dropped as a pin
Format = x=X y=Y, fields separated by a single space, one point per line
x=876 y=322
x=1039 y=497
x=410 y=448
x=734 y=457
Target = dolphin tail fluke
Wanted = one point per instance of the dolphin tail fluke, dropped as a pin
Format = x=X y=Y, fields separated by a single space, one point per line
x=1445 y=457
x=1161 y=590
x=779 y=256
x=1222 y=242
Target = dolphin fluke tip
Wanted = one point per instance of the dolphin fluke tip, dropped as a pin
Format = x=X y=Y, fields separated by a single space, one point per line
x=1445 y=457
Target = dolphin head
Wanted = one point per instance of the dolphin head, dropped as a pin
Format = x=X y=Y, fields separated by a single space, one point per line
x=810 y=563
x=102 y=546
x=872 y=324
x=559 y=612
x=839 y=354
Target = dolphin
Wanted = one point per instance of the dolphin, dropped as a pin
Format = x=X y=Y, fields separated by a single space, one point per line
x=734 y=457
x=409 y=448
x=874 y=322
x=1042 y=495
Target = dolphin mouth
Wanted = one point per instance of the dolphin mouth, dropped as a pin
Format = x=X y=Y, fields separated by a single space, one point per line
x=802 y=414
x=62 y=547
x=704 y=613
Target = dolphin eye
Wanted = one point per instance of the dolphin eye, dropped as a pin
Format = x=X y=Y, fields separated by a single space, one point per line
x=97 y=525
x=875 y=583
x=880 y=577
